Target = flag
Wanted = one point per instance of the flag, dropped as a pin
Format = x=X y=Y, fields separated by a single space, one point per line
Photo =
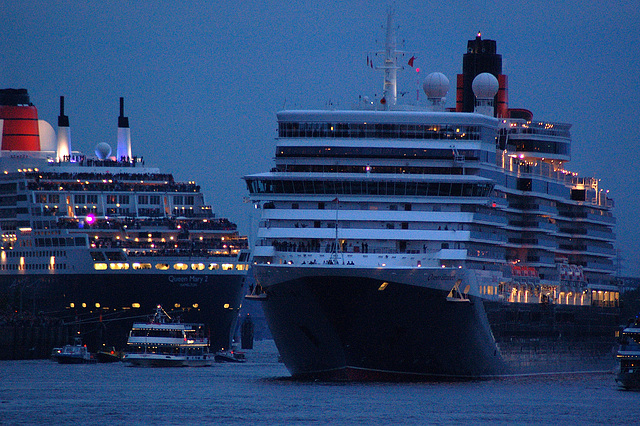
x=413 y=58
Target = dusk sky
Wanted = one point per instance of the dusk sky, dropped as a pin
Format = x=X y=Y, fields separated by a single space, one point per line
x=202 y=81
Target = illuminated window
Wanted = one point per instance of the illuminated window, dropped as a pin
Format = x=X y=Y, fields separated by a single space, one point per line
x=383 y=286
x=213 y=266
x=227 y=266
x=162 y=266
x=226 y=306
x=197 y=266
x=118 y=266
x=135 y=305
x=141 y=266
x=100 y=266
x=180 y=266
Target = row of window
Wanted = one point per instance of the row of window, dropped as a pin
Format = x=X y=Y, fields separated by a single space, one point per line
x=165 y=266
x=376 y=130
x=32 y=267
x=9 y=188
x=134 y=305
x=38 y=253
x=61 y=242
x=373 y=152
x=12 y=200
x=369 y=187
x=395 y=170
x=542 y=147
x=114 y=199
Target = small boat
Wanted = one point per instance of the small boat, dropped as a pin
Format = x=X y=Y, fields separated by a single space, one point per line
x=55 y=352
x=629 y=356
x=163 y=342
x=106 y=355
x=74 y=354
x=230 y=356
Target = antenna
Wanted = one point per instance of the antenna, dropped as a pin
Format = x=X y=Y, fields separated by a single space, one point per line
x=390 y=66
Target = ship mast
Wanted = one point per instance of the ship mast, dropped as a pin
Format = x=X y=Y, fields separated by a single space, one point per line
x=390 y=66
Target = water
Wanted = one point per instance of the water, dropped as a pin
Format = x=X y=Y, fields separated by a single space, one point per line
x=259 y=392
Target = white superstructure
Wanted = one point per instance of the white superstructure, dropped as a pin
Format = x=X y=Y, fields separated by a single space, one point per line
x=387 y=186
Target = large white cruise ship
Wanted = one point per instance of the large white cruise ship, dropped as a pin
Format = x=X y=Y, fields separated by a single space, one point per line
x=93 y=243
x=406 y=242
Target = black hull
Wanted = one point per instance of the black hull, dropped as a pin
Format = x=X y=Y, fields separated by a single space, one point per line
x=333 y=327
x=107 y=357
x=62 y=359
x=103 y=307
x=629 y=381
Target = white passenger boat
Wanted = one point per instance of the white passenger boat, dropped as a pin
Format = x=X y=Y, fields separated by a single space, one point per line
x=163 y=342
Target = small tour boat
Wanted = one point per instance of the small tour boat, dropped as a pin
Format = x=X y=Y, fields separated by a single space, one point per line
x=163 y=342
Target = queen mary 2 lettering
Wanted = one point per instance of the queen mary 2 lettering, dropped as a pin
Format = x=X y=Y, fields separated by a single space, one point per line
x=408 y=242
x=95 y=243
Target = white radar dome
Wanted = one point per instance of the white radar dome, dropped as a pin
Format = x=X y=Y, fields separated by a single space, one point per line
x=103 y=150
x=436 y=85
x=485 y=86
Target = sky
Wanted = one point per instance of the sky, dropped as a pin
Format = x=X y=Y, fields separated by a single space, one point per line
x=203 y=80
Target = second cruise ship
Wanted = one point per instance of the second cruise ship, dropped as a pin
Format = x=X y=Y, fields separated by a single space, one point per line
x=91 y=243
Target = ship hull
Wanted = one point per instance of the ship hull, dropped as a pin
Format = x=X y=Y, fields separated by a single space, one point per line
x=629 y=380
x=338 y=324
x=103 y=307
x=152 y=360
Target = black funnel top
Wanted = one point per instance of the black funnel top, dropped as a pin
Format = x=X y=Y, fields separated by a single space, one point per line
x=14 y=97
x=63 y=120
x=122 y=120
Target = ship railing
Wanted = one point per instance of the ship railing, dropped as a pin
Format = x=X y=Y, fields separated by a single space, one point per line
x=178 y=253
x=520 y=126
x=99 y=177
x=313 y=247
x=133 y=224
x=120 y=186
x=358 y=259
x=524 y=168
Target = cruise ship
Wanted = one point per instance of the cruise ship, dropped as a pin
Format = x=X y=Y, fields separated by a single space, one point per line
x=417 y=242
x=96 y=242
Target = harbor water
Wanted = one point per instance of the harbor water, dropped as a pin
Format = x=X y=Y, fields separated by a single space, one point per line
x=260 y=392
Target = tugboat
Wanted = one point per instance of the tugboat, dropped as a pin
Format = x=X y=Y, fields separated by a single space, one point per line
x=629 y=357
x=74 y=354
x=108 y=355
x=230 y=356
x=164 y=342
